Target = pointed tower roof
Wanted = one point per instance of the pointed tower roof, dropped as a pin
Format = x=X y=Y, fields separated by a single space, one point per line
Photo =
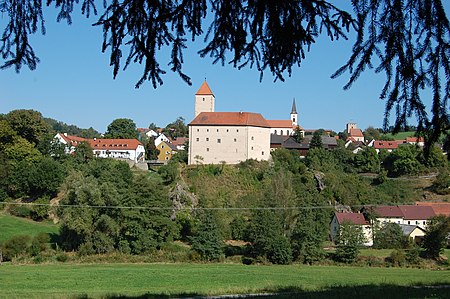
x=204 y=89
x=294 y=107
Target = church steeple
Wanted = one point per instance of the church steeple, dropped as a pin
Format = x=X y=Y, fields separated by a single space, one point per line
x=204 y=99
x=294 y=115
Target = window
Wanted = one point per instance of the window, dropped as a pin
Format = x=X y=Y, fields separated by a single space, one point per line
x=217 y=130
x=227 y=130
x=203 y=99
x=167 y=158
x=237 y=130
x=198 y=130
x=162 y=146
x=219 y=140
x=262 y=153
x=207 y=130
x=253 y=138
x=252 y=147
x=207 y=149
x=207 y=139
x=235 y=139
x=197 y=139
x=281 y=132
x=409 y=222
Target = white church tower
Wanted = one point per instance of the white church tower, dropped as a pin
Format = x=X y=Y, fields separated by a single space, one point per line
x=294 y=115
x=204 y=99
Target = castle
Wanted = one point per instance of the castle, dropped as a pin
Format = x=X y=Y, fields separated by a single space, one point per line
x=232 y=137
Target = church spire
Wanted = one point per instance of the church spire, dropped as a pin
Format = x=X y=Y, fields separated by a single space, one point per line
x=294 y=107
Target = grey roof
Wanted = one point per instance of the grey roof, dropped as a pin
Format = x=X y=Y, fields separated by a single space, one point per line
x=407 y=229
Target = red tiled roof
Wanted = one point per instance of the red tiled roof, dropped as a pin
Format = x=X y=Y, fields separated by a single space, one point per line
x=125 y=144
x=439 y=208
x=356 y=133
x=204 y=90
x=179 y=140
x=280 y=123
x=354 y=218
x=417 y=212
x=385 y=144
x=72 y=140
x=386 y=211
x=230 y=119
x=414 y=139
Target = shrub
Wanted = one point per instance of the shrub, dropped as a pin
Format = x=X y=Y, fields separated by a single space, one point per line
x=16 y=246
x=397 y=258
x=62 y=257
x=413 y=255
x=20 y=211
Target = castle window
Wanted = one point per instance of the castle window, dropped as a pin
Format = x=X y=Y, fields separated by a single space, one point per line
x=235 y=139
x=207 y=149
x=262 y=153
x=253 y=138
x=219 y=140
x=203 y=99
x=198 y=130
x=198 y=139
x=252 y=147
x=237 y=130
x=207 y=139
x=227 y=130
x=207 y=130
x=217 y=130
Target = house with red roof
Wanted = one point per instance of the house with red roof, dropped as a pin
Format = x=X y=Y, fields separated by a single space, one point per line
x=439 y=208
x=354 y=133
x=128 y=149
x=400 y=214
x=352 y=218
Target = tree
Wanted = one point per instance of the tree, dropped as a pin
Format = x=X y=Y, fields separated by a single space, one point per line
x=437 y=236
x=207 y=240
x=389 y=236
x=151 y=151
x=122 y=128
x=350 y=239
x=177 y=128
x=407 y=40
x=316 y=140
x=83 y=152
x=372 y=133
x=28 y=124
x=298 y=135
x=367 y=160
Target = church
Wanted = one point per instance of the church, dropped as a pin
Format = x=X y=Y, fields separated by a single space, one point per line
x=231 y=137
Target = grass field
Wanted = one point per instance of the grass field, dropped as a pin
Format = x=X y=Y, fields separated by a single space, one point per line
x=400 y=135
x=164 y=280
x=13 y=226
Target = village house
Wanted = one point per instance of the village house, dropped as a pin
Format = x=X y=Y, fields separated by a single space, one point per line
x=166 y=151
x=354 y=133
x=401 y=214
x=352 y=218
x=128 y=149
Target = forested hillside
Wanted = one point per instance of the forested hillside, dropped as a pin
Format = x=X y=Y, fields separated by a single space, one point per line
x=279 y=209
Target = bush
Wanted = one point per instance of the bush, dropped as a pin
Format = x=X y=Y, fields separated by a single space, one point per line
x=62 y=257
x=413 y=255
x=397 y=258
x=20 y=210
x=16 y=246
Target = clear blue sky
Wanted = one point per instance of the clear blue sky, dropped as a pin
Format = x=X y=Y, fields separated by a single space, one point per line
x=73 y=83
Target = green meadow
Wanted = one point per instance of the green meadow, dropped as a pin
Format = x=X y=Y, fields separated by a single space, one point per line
x=178 y=280
x=13 y=226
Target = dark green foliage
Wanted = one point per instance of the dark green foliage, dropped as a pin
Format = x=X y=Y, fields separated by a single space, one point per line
x=207 y=240
x=61 y=127
x=371 y=133
x=367 y=160
x=151 y=152
x=239 y=228
x=83 y=152
x=442 y=182
x=316 y=141
x=397 y=258
x=268 y=240
x=169 y=173
x=436 y=238
x=98 y=229
x=350 y=239
x=413 y=255
x=309 y=234
x=122 y=128
x=28 y=124
x=404 y=161
x=15 y=246
x=389 y=236
x=176 y=129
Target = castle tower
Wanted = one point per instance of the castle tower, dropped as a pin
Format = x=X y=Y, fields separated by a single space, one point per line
x=350 y=126
x=204 y=99
x=294 y=115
